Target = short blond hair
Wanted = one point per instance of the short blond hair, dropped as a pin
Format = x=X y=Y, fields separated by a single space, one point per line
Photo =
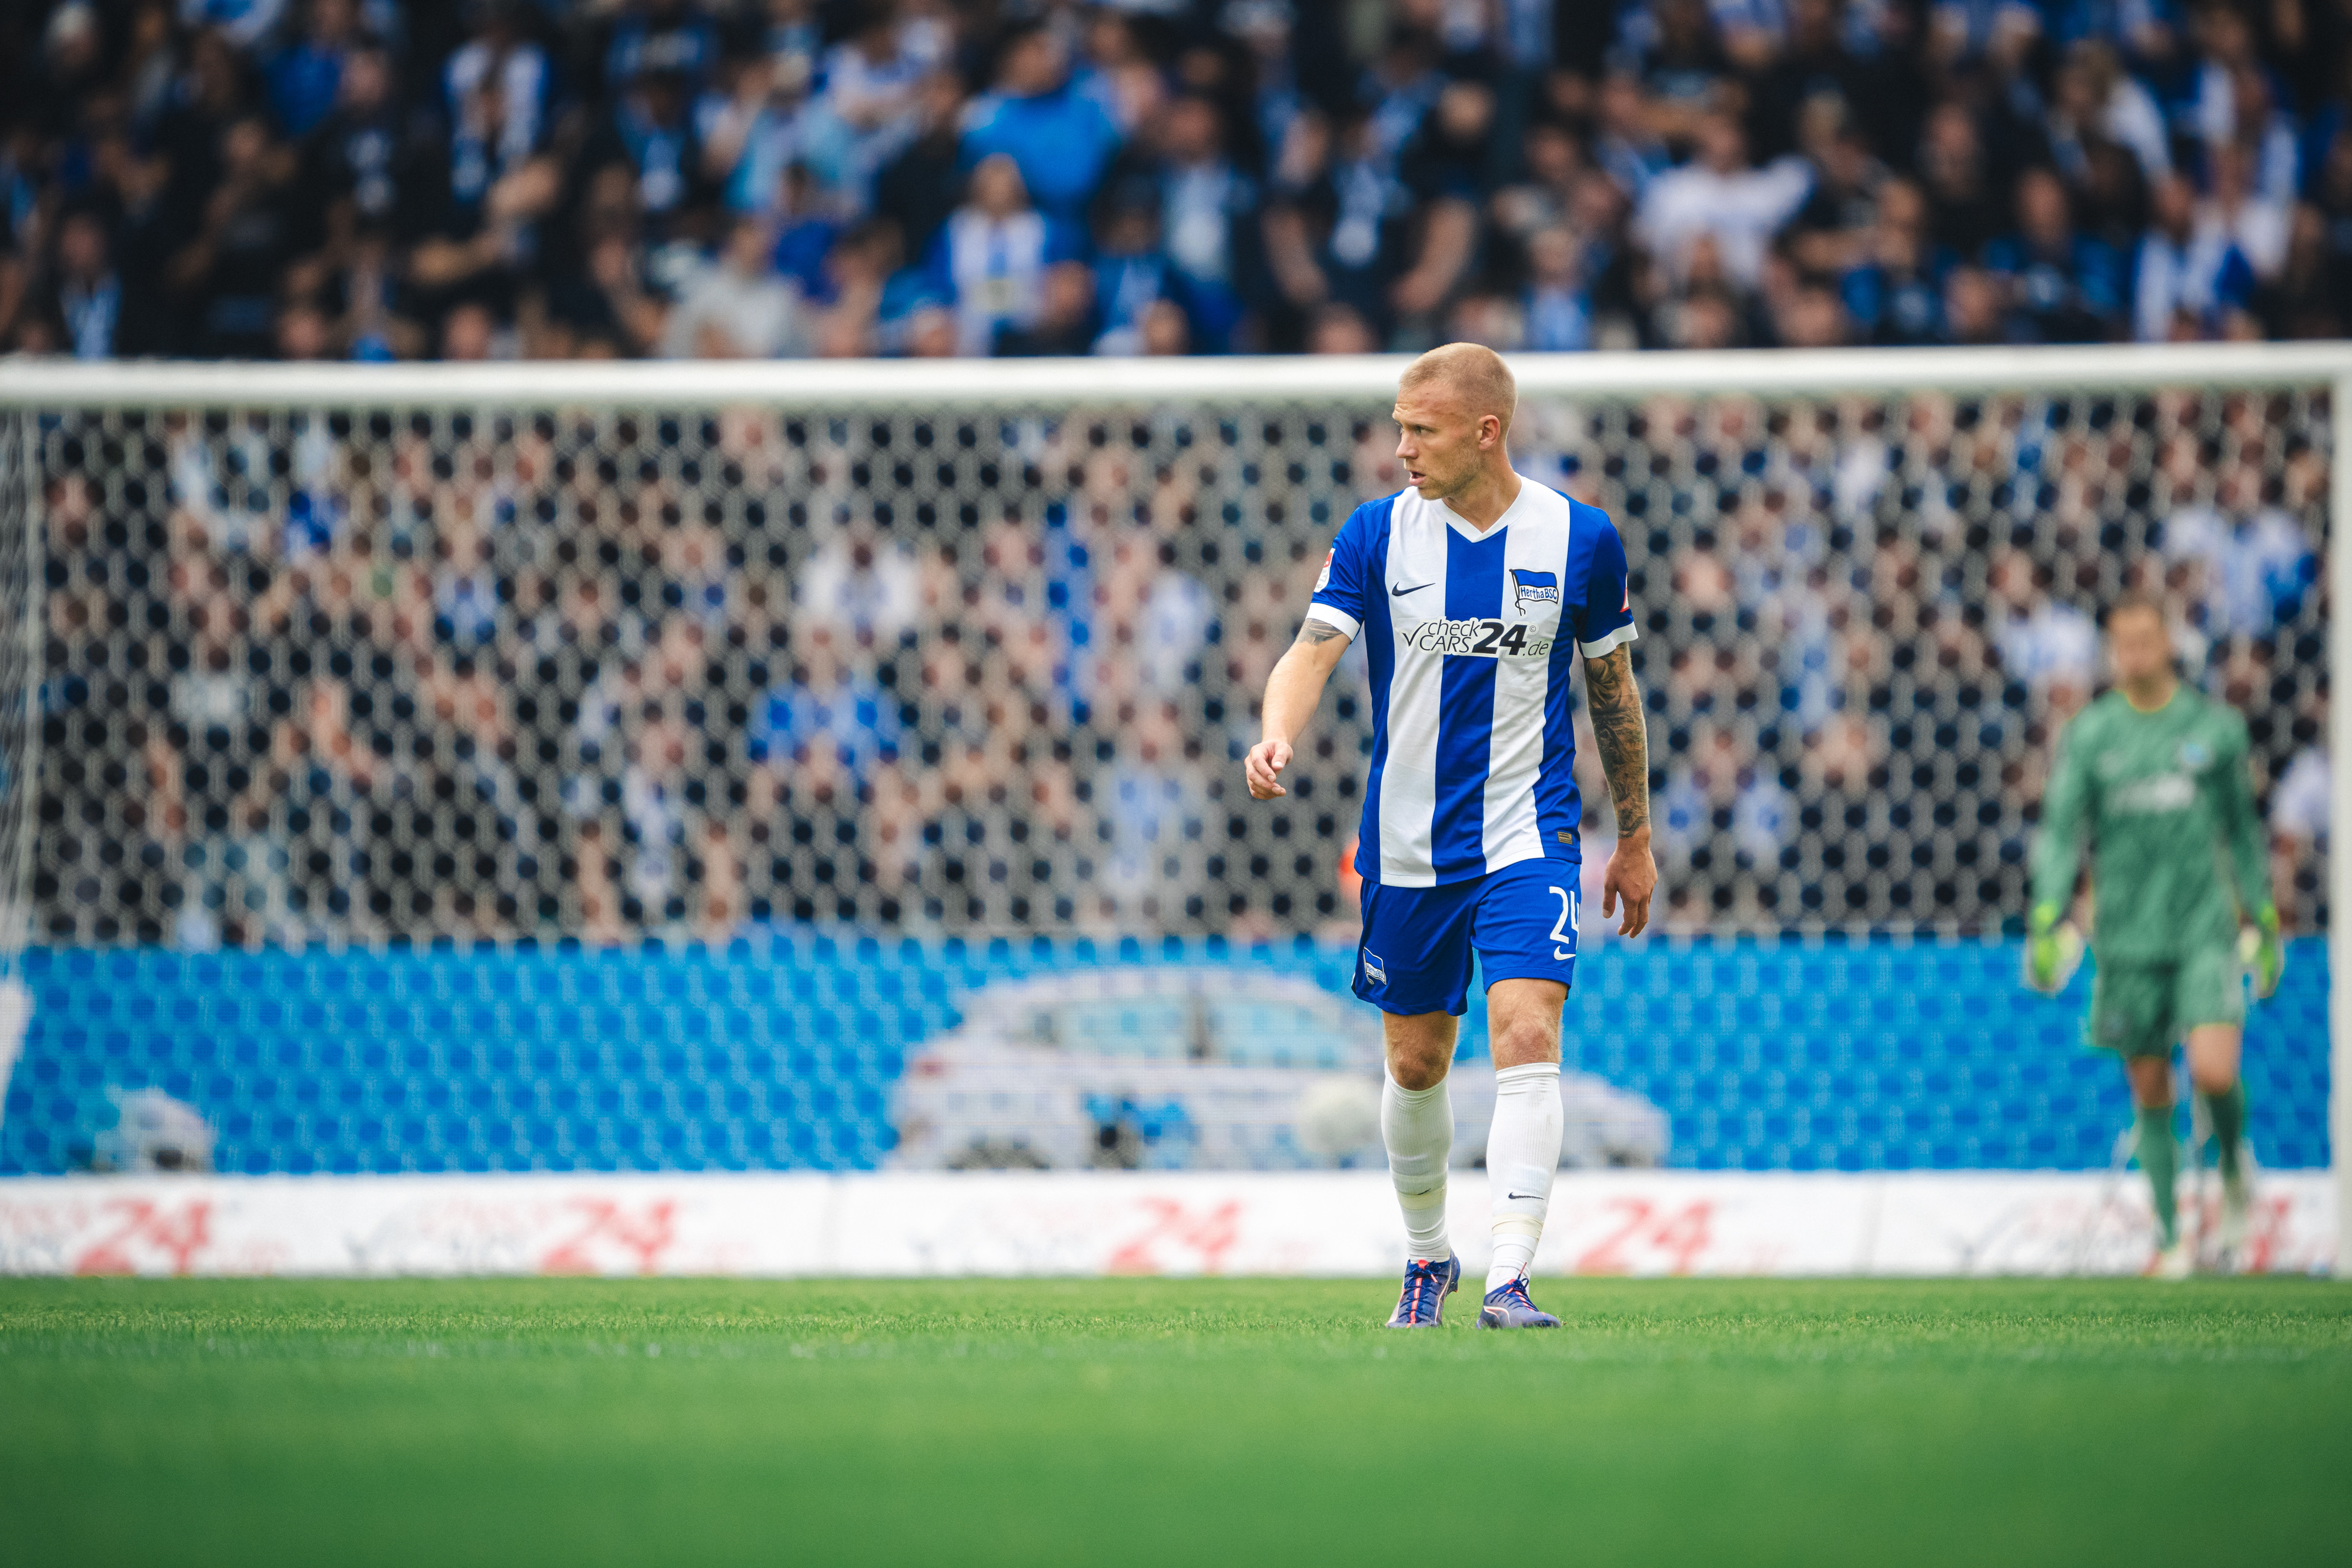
x=1472 y=370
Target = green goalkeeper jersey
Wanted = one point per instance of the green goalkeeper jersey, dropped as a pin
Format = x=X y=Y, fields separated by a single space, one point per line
x=2177 y=850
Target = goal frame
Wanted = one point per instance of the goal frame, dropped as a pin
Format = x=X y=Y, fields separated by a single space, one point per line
x=29 y=386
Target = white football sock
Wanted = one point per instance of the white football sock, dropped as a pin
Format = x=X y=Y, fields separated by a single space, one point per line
x=1522 y=1153
x=1417 y=1126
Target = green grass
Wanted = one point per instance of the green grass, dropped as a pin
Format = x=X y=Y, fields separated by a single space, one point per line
x=446 y=1423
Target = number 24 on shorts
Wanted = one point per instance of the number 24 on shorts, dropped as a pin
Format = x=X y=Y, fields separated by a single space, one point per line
x=1564 y=929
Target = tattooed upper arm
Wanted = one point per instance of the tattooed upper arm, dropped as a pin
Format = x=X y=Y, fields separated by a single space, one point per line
x=1313 y=631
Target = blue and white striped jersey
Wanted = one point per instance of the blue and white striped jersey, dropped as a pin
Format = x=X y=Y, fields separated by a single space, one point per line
x=1470 y=638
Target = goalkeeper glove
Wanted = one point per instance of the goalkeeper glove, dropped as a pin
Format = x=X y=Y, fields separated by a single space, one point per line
x=2265 y=954
x=2051 y=951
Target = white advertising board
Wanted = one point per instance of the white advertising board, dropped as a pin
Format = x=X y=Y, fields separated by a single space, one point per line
x=1340 y=1223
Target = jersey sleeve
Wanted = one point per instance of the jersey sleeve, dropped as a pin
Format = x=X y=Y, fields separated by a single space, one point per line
x=2242 y=823
x=2057 y=854
x=1606 y=622
x=1344 y=587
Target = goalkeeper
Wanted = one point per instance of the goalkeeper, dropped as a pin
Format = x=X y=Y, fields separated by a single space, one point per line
x=2158 y=774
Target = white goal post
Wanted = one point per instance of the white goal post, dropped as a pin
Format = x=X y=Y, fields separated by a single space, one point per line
x=31 y=390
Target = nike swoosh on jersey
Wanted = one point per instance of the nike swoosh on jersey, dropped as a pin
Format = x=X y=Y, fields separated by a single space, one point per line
x=1396 y=592
x=1561 y=953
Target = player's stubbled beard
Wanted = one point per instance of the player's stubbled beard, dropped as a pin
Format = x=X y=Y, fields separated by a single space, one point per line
x=1619 y=729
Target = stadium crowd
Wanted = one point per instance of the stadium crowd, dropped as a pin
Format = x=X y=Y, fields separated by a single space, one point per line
x=357 y=677
x=331 y=179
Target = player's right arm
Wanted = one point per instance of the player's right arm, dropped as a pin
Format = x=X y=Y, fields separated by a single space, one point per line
x=1296 y=686
x=2057 y=856
x=1292 y=692
x=2250 y=862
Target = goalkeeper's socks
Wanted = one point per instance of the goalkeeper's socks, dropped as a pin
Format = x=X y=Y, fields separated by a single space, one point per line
x=2227 y=1112
x=2159 y=1156
x=1417 y=1126
x=1522 y=1153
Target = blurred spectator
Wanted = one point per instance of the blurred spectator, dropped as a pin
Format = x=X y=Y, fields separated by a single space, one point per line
x=1964 y=204
x=2041 y=643
x=85 y=297
x=873 y=87
x=357 y=164
x=650 y=133
x=2062 y=287
x=499 y=58
x=866 y=591
x=2300 y=806
x=1893 y=292
x=1972 y=307
x=1152 y=802
x=1059 y=140
x=2233 y=209
x=2094 y=100
x=306 y=76
x=827 y=719
x=2188 y=275
x=916 y=189
x=734 y=307
x=1203 y=202
x=228 y=272
x=1559 y=308
x=993 y=256
x=2252 y=563
x=1719 y=196
x=1131 y=274
x=1065 y=316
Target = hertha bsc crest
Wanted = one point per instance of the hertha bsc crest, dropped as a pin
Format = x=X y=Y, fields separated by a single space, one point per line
x=1533 y=588
x=1375 y=972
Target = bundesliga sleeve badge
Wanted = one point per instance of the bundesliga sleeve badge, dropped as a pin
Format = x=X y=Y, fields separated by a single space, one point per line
x=1323 y=578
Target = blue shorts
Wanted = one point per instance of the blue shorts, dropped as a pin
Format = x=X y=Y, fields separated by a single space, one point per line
x=1415 y=955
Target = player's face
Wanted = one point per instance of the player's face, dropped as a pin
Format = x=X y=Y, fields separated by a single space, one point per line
x=1438 y=441
x=2139 y=645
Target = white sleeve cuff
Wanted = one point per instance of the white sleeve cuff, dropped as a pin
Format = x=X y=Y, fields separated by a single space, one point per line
x=1617 y=639
x=1330 y=616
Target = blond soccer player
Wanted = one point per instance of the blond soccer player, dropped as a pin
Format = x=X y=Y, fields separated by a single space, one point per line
x=1476 y=593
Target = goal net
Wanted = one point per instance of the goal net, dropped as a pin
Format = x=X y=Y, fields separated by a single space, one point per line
x=354 y=657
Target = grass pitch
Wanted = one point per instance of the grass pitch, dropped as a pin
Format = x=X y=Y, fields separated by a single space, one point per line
x=1135 y=1422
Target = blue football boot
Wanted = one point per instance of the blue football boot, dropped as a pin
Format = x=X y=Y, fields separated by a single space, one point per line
x=1422 y=1304
x=1508 y=1306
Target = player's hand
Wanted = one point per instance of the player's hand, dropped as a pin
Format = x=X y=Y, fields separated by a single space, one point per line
x=2047 y=947
x=2265 y=954
x=1631 y=876
x=1265 y=760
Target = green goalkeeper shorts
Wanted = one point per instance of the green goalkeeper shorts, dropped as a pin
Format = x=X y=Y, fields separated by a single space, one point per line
x=2141 y=1009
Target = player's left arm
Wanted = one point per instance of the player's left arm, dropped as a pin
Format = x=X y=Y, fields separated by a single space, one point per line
x=1621 y=731
x=2250 y=865
x=1605 y=626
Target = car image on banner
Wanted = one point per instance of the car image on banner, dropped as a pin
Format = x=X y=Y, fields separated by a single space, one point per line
x=1196 y=1067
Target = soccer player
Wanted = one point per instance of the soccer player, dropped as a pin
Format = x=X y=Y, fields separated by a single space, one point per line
x=1474 y=590
x=2158 y=774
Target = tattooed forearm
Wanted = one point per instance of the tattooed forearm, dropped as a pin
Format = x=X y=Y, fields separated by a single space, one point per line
x=1623 y=736
x=1319 y=632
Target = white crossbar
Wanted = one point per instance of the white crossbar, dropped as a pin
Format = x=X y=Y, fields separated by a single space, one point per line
x=821 y=384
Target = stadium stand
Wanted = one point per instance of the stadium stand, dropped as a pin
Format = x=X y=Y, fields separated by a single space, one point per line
x=356 y=179
x=1823 y=1055
x=329 y=676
